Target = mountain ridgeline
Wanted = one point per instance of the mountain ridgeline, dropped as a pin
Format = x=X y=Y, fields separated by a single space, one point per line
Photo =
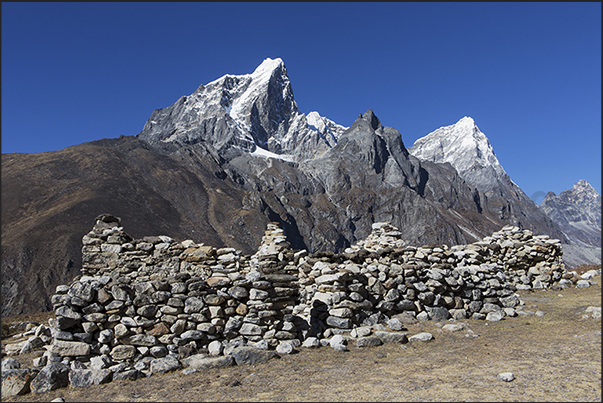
x=219 y=165
x=577 y=212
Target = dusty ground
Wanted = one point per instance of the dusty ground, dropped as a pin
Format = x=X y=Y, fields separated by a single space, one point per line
x=556 y=357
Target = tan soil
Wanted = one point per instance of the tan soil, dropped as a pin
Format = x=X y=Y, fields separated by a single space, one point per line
x=556 y=357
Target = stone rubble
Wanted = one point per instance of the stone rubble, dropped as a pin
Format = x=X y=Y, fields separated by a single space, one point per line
x=154 y=305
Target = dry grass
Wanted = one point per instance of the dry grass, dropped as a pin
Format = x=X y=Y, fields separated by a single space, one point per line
x=556 y=357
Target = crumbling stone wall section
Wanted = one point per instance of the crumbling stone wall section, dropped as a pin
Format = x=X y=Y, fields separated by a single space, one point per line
x=154 y=296
x=139 y=300
x=381 y=277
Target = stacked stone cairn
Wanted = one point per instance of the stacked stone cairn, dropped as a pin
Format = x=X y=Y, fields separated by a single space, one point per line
x=153 y=305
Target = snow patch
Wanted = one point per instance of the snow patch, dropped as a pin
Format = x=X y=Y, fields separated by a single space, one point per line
x=260 y=152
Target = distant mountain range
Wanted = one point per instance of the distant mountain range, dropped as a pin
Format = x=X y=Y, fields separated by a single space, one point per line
x=577 y=212
x=218 y=165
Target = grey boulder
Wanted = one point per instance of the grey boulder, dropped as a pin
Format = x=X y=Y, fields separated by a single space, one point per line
x=202 y=361
x=16 y=381
x=83 y=378
x=165 y=364
x=52 y=376
x=249 y=355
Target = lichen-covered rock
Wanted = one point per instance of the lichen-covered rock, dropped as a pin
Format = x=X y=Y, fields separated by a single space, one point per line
x=16 y=381
x=52 y=376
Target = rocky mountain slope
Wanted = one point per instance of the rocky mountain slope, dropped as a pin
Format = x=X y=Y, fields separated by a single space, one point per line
x=469 y=151
x=217 y=166
x=577 y=211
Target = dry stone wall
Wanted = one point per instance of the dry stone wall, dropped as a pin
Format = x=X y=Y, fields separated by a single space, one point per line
x=155 y=304
x=381 y=277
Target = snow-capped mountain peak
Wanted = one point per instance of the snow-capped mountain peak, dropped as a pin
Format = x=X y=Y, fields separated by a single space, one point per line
x=583 y=188
x=267 y=67
x=256 y=109
x=466 y=148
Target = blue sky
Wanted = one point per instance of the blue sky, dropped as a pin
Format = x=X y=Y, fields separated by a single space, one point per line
x=529 y=74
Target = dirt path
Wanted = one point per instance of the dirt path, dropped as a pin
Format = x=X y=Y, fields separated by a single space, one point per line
x=556 y=357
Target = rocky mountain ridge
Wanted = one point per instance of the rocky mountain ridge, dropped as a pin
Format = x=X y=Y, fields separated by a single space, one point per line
x=245 y=111
x=577 y=211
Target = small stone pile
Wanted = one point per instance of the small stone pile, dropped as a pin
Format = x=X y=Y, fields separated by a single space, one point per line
x=152 y=305
x=383 y=235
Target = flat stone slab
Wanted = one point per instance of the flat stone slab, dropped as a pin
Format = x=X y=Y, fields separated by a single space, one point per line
x=391 y=337
x=424 y=336
x=66 y=348
x=368 y=341
x=453 y=327
x=202 y=361
x=165 y=364
x=83 y=378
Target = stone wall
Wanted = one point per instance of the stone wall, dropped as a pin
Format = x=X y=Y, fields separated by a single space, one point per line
x=381 y=277
x=141 y=300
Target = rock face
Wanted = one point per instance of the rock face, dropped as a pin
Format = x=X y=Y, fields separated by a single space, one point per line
x=468 y=150
x=218 y=166
x=577 y=212
x=248 y=112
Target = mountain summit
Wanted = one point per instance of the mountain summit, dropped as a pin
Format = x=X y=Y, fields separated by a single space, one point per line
x=245 y=112
x=467 y=149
